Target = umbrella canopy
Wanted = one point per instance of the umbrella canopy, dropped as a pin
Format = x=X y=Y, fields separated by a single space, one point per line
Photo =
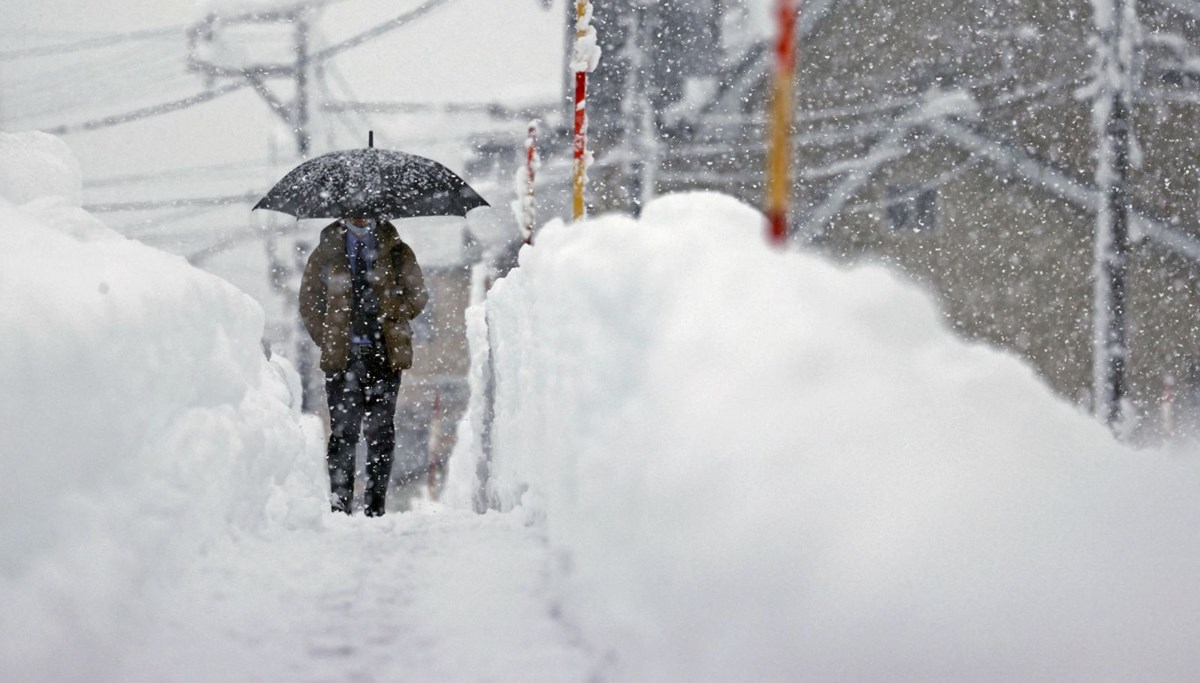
x=370 y=182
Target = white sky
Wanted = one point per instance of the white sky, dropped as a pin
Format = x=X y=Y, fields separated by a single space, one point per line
x=467 y=51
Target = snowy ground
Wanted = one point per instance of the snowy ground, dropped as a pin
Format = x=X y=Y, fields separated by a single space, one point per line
x=429 y=595
x=164 y=514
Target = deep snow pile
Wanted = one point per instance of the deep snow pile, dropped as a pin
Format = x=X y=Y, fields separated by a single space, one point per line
x=140 y=422
x=760 y=466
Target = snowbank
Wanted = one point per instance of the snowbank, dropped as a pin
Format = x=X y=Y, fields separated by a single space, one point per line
x=36 y=165
x=760 y=466
x=140 y=422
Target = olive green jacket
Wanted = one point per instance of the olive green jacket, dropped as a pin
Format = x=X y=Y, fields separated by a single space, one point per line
x=326 y=297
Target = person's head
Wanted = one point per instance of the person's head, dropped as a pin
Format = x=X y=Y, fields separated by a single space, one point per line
x=359 y=225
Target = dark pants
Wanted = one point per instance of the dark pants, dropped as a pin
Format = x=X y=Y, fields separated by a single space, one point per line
x=362 y=396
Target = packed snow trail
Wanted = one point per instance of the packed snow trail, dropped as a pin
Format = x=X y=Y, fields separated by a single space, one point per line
x=428 y=595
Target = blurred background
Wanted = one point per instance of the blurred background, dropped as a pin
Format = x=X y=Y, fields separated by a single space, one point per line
x=968 y=144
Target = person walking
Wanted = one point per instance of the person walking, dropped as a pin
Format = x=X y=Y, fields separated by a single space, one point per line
x=361 y=287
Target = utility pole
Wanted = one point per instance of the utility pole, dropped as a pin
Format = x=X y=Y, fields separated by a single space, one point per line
x=294 y=114
x=1112 y=250
x=300 y=117
x=284 y=271
x=205 y=60
x=640 y=137
x=1112 y=115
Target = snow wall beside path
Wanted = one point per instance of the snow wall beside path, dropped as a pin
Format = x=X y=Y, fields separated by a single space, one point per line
x=760 y=466
x=140 y=422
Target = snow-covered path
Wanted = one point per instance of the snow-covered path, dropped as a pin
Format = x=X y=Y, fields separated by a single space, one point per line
x=740 y=464
x=428 y=595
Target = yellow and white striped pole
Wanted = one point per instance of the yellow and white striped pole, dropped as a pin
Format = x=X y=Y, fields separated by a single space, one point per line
x=780 y=123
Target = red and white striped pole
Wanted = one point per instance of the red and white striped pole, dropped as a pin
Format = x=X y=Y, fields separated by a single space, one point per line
x=585 y=55
x=526 y=208
x=579 y=146
x=779 y=140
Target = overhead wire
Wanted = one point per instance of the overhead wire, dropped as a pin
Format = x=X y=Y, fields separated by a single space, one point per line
x=333 y=69
x=370 y=34
x=339 y=116
x=178 y=173
x=124 y=64
x=117 y=38
x=43 y=72
x=210 y=94
x=120 y=72
x=142 y=205
x=153 y=110
x=120 y=78
x=90 y=43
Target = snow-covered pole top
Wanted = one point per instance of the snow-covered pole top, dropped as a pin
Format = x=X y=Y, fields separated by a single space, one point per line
x=585 y=55
x=524 y=207
x=1119 y=33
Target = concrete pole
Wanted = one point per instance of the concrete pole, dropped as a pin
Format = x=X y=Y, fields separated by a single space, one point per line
x=1110 y=308
x=300 y=115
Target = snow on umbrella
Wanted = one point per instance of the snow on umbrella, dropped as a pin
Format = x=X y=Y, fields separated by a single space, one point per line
x=371 y=182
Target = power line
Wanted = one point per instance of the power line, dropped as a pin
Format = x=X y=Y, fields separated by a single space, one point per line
x=120 y=77
x=117 y=72
x=372 y=33
x=153 y=110
x=134 y=36
x=333 y=69
x=166 y=203
x=156 y=83
x=341 y=116
x=179 y=172
x=91 y=43
x=279 y=12
x=320 y=56
x=493 y=109
x=48 y=72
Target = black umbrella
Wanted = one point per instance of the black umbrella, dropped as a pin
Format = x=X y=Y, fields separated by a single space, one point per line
x=373 y=183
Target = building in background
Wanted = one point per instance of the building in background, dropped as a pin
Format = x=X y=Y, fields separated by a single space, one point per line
x=954 y=141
